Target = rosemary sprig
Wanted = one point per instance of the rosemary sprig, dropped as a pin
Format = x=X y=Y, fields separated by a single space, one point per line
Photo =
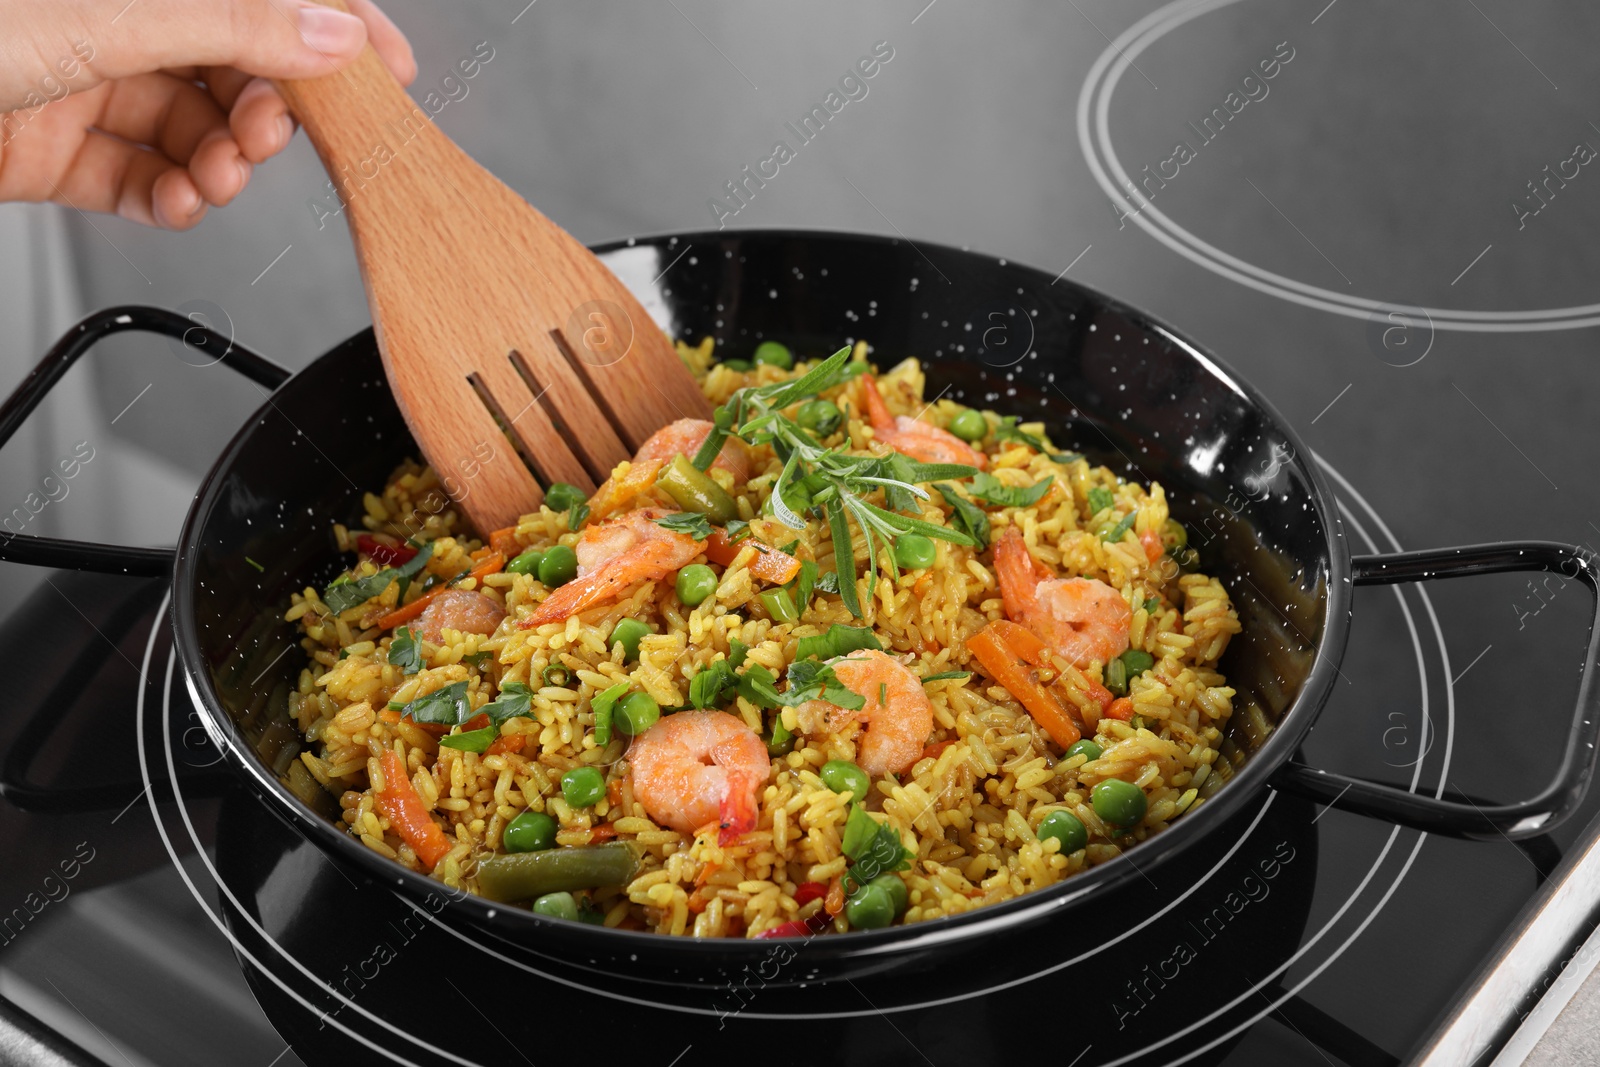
x=829 y=484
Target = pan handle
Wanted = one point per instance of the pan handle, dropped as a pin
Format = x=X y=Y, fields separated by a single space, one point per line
x=89 y=555
x=1463 y=818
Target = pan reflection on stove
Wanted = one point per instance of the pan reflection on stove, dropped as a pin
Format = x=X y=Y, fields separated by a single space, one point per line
x=1174 y=950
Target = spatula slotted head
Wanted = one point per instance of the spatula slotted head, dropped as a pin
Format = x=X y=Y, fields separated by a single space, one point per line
x=516 y=357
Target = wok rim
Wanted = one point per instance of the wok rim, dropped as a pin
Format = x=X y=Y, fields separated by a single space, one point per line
x=1034 y=906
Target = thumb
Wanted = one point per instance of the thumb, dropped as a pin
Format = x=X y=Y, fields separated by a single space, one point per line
x=267 y=38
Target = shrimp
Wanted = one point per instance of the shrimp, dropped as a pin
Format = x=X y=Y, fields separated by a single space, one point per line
x=700 y=767
x=897 y=712
x=1083 y=619
x=614 y=556
x=686 y=436
x=459 y=609
x=910 y=437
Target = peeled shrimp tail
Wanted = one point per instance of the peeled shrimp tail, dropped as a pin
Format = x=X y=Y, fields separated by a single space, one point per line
x=872 y=400
x=738 y=813
x=653 y=559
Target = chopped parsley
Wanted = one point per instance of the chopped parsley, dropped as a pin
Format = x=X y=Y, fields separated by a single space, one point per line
x=992 y=490
x=259 y=568
x=693 y=523
x=872 y=847
x=1100 y=498
x=514 y=702
x=1007 y=431
x=447 y=706
x=1115 y=534
x=405 y=651
x=838 y=641
x=967 y=517
x=346 y=592
x=604 y=704
x=943 y=675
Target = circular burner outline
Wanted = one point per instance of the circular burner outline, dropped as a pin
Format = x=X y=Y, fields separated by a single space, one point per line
x=333 y=992
x=1094 y=138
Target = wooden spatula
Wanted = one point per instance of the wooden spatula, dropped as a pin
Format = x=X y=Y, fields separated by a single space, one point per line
x=492 y=320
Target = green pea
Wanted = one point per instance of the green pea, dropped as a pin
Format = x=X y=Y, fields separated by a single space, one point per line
x=636 y=714
x=1066 y=828
x=895 y=886
x=532 y=831
x=558 y=567
x=970 y=426
x=1087 y=747
x=563 y=497
x=582 y=787
x=557 y=906
x=743 y=366
x=695 y=583
x=842 y=776
x=628 y=631
x=821 y=416
x=1116 y=677
x=1119 y=803
x=527 y=563
x=1136 y=661
x=869 y=908
x=774 y=354
x=913 y=551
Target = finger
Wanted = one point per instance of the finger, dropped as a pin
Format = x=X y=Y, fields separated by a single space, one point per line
x=387 y=40
x=260 y=122
x=163 y=112
x=268 y=38
x=184 y=123
x=225 y=84
x=138 y=183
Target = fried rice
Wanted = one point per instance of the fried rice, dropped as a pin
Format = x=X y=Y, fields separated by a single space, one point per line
x=967 y=811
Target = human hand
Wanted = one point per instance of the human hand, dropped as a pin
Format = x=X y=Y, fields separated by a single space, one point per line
x=156 y=110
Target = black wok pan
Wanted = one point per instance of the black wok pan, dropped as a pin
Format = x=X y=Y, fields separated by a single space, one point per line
x=1108 y=381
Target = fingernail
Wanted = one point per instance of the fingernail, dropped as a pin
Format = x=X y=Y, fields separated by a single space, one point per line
x=331 y=32
x=245 y=170
x=285 y=131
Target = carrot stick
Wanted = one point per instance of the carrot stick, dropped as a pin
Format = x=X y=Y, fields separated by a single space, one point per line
x=505 y=542
x=770 y=565
x=398 y=802
x=491 y=563
x=1153 y=548
x=1121 y=708
x=506 y=743
x=1010 y=654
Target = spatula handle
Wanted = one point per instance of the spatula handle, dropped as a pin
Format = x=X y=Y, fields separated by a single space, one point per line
x=357 y=117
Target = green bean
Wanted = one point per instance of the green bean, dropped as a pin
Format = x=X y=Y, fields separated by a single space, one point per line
x=695 y=491
x=779 y=605
x=530 y=875
x=1136 y=661
x=1116 y=677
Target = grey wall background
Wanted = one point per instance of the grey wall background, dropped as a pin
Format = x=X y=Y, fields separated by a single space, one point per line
x=1383 y=160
